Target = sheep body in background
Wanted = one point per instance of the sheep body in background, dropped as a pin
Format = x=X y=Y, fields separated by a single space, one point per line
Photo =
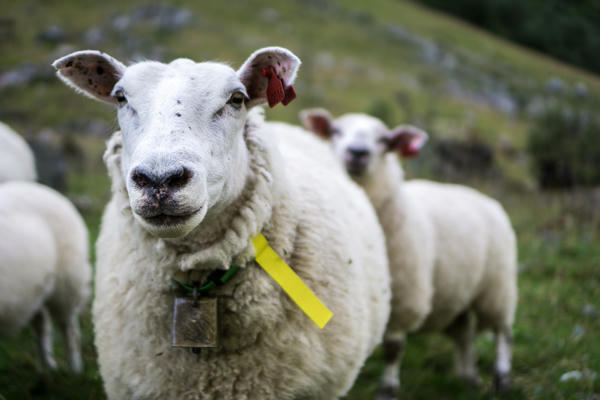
x=17 y=162
x=195 y=175
x=45 y=270
x=452 y=250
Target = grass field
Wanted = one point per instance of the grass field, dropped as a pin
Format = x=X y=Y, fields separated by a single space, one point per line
x=424 y=68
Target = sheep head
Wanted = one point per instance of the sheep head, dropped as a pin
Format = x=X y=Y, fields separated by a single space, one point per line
x=359 y=141
x=184 y=156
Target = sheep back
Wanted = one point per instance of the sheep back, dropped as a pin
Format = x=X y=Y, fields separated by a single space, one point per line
x=17 y=162
x=72 y=271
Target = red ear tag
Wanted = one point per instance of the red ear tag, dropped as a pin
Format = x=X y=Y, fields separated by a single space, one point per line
x=275 y=92
x=290 y=94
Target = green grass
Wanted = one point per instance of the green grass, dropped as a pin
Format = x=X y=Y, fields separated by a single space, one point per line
x=557 y=232
x=560 y=274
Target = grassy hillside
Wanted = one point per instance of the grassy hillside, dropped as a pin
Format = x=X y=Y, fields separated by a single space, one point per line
x=396 y=59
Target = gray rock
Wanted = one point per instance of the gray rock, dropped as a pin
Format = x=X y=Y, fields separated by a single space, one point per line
x=398 y=32
x=175 y=20
x=581 y=90
x=589 y=310
x=94 y=36
x=449 y=61
x=19 y=77
x=122 y=23
x=163 y=16
x=578 y=332
x=98 y=127
x=555 y=85
x=52 y=34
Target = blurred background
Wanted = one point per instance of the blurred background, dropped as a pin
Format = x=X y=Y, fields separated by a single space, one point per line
x=508 y=92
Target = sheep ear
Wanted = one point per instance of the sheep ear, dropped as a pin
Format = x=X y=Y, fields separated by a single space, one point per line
x=319 y=121
x=268 y=75
x=407 y=140
x=91 y=72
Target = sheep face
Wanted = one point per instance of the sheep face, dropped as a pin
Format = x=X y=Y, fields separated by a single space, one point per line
x=184 y=157
x=183 y=148
x=360 y=141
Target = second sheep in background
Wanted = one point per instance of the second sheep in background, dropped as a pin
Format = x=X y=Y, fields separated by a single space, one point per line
x=452 y=250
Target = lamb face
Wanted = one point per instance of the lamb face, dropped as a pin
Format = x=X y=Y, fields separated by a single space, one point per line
x=360 y=141
x=184 y=156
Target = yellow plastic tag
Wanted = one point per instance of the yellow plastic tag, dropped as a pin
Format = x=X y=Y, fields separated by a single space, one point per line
x=290 y=282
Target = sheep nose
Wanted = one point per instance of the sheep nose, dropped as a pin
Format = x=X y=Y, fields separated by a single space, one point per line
x=358 y=152
x=172 y=179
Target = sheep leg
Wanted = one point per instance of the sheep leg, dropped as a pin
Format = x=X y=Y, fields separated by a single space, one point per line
x=393 y=349
x=42 y=326
x=462 y=331
x=502 y=364
x=70 y=328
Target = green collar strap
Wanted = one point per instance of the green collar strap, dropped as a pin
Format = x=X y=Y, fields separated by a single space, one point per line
x=218 y=277
x=277 y=269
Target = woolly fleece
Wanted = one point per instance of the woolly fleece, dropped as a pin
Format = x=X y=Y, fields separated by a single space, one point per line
x=17 y=162
x=450 y=248
x=44 y=249
x=314 y=217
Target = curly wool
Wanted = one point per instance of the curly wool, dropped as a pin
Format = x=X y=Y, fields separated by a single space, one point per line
x=451 y=248
x=318 y=221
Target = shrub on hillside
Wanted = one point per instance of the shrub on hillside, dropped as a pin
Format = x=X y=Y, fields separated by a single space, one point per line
x=565 y=148
x=567 y=30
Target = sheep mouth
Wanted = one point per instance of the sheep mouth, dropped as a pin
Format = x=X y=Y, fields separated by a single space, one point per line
x=356 y=168
x=169 y=219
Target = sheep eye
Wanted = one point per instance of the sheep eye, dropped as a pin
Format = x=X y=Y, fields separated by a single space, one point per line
x=237 y=99
x=120 y=97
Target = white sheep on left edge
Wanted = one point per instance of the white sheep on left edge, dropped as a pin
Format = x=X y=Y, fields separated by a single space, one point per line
x=196 y=173
x=44 y=268
x=452 y=250
x=17 y=162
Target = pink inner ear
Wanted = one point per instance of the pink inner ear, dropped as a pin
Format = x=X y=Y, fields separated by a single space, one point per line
x=320 y=126
x=410 y=144
x=409 y=149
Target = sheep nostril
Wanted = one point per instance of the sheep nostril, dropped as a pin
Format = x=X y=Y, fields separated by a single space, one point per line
x=142 y=178
x=358 y=152
x=170 y=180
x=178 y=178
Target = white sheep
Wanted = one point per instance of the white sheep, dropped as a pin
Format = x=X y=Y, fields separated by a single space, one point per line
x=17 y=162
x=45 y=269
x=452 y=250
x=195 y=175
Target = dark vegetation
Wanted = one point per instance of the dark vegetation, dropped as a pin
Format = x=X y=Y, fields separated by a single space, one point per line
x=565 y=147
x=567 y=30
